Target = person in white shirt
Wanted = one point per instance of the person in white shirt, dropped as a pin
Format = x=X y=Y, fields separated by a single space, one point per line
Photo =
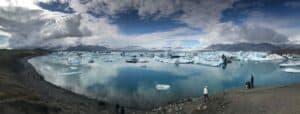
x=205 y=93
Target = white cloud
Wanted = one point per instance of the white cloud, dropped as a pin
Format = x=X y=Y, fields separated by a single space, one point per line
x=31 y=26
x=195 y=13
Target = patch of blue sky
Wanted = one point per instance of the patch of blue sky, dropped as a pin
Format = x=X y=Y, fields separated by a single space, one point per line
x=190 y=42
x=242 y=9
x=130 y=23
x=57 y=6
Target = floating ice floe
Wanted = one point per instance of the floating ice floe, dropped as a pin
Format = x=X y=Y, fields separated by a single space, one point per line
x=70 y=73
x=290 y=64
x=208 y=61
x=184 y=61
x=143 y=61
x=291 y=70
x=73 y=61
x=257 y=56
x=162 y=86
x=74 y=68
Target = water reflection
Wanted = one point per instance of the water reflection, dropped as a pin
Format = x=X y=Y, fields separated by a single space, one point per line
x=134 y=85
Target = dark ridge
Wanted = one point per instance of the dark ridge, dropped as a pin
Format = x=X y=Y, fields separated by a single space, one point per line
x=87 y=48
x=281 y=48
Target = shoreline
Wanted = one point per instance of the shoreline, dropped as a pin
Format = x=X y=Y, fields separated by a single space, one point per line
x=27 y=91
x=22 y=89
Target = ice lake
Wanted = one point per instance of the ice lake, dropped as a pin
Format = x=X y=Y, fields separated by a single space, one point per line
x=110 y=78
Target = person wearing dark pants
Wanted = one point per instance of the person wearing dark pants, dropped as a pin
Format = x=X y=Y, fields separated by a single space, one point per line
x=205 y=93
x=252 y=81
x=122 y=110
x=117 y=108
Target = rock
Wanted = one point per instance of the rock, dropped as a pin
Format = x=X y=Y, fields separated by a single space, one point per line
x=204 y=107
x=169 y=110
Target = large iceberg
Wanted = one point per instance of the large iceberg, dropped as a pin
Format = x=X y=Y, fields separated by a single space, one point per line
x=209 y=61
x=290 y=64
x=291 y=70
x=256 y=56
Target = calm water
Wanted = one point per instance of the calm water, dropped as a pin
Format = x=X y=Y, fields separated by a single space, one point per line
x=113 y=80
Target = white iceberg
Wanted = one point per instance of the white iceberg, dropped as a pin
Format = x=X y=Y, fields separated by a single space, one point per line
x=256 y=56
x=70 y=73
x=214 y=62
x=162 y=86
x=290 y=64
x=164 y=60
x=291 y=70
x=73 y=61
x=143 y=61
x=184 y=61
x=74 y=68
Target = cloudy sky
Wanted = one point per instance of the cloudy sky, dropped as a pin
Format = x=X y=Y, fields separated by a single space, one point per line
x=149 y=23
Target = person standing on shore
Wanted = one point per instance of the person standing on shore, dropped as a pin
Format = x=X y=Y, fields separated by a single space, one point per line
x=205 y=93
x=122 y=110
x=252 y=81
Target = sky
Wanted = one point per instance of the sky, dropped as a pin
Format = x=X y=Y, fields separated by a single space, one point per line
x=193 y=24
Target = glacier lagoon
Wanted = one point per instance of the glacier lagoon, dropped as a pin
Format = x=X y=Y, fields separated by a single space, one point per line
x=108 y=77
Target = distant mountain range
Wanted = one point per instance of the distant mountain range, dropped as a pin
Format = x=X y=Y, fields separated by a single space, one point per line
x=87 y=48
x=255 y=47
x=131 y=48
x=282 y=48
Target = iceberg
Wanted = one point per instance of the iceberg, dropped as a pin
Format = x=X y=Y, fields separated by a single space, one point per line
x=164 y=60
x=291 y=70
x=73 y=61
x=162 y=86
x=214 y=62
x=70 y=73
x=143 y=61
x=74 y=68
x=254 y=56
x=184 y=61
x=290 y=64
x=132 y=60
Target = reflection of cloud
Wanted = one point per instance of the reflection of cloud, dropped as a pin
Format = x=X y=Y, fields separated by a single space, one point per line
x=49 y=72
x=99 y=73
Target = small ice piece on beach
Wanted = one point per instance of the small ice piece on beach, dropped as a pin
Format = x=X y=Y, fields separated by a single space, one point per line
x=291 y=70
x=162 y=86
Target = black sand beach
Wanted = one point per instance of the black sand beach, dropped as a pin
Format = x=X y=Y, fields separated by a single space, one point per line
x=23 y=91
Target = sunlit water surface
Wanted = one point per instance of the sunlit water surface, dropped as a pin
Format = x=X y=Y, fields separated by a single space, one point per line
x=110 y=78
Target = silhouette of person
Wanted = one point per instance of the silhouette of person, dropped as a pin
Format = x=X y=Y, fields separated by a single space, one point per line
x=205 y=93
x=117 y=107
x=122 y=110
x=252 y=81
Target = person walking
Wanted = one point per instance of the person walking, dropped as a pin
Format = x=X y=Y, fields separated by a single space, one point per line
x=205 y=93
x=117 y=108
x=252 y=81
x=122 y=110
